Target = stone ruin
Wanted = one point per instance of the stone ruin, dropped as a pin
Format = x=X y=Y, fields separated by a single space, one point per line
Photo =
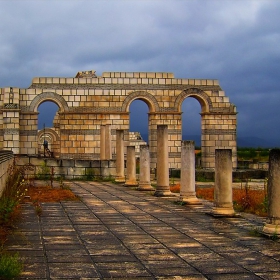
x=92 y=108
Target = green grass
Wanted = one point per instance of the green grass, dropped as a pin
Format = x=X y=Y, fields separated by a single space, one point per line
x=10 y=266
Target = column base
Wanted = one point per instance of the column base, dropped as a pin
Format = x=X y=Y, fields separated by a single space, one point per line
x=271 y=229
x=130 y=184
x=190 y=200
x=219 y=211
x=120 y=180
x=145 y=188
x=163 y=191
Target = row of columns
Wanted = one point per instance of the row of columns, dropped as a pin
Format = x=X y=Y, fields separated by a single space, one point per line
x=223 y=204
x=223 y=189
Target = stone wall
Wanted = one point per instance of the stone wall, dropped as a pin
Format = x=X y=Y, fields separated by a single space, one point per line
x=136 y=140
x=69 y=168
x=87 y=102
x=6 y=159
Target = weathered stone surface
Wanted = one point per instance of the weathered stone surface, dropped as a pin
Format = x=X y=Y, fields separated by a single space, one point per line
x=117 y=232
x=88 y=103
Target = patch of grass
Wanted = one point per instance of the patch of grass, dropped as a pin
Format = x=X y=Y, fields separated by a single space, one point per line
x=255 y=231
x=10 y=266
x=201 y=178
x=180 y=202
x=89 y=174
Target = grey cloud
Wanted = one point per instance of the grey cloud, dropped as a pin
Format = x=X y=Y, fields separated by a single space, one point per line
x=236 y=42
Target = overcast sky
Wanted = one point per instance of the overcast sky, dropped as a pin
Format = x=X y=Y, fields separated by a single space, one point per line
x=236 y=42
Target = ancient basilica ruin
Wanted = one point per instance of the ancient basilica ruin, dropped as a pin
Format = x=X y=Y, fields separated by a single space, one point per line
x=92 y=108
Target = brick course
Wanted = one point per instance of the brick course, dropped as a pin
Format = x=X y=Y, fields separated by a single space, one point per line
x=86 y=102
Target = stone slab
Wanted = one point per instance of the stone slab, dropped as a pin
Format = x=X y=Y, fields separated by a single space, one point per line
x=121 y=233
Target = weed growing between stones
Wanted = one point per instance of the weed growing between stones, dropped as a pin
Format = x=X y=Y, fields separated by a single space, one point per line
x=256 y=231
x=44 y=172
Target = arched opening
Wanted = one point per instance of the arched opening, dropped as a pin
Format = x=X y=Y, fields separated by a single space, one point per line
x=138 y=122
x=191 y=120
x=47 y=144
x=191 y=125
x=47 y=111
x=138 y=125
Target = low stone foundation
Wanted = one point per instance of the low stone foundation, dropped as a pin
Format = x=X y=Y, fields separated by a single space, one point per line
x=69 y=168
x=209 y=175
x=6 y=159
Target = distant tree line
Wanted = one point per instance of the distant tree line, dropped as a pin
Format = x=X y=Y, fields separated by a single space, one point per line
x=260 y=154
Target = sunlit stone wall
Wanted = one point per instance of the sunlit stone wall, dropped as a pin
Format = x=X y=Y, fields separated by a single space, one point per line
x=87 y=101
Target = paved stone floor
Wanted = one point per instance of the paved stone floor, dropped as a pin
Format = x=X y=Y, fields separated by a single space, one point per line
x=116 y=232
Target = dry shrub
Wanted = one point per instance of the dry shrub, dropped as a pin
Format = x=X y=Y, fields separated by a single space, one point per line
x=205 y=193
x=175 y=188
x=244 y=200
x=48 y=194
x=251 y=201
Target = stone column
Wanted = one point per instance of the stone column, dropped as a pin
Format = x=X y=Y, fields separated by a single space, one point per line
x=108 y=139
x=144 y=176
x=102 y=142
x=130 y=167
x=272 y=226
x=223 y=183
x=187 y=182
x=119 y=156
x=162 y=188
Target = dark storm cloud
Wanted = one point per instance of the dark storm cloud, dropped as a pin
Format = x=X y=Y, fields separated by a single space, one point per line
x=236 y=42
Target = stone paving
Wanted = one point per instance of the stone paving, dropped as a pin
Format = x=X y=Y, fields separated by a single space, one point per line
x=116 y=232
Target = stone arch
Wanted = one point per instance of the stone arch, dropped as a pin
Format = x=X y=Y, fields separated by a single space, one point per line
x=49 y=96
x=148 y=98
x=49 y=131
x=203 y=99
x=53 y=139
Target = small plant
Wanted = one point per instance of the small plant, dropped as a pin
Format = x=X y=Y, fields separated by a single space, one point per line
x=89 y=173
x=7 y=206
x=246 y=200
x=180 y=202
x=109 y=178
x=10 y=266
x=44 y=172
x=255 y=231
x=14 y=191
x=52 y=173
x=38 y=209
x=60 y=179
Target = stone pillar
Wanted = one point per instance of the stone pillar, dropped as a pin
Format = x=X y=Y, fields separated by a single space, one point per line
x=119 y=156
x=223 y=183
x=11 y=121
x=144 y=176
x=162 y=188
x=108 y=139
x=272 y=226
x=187 y=182
x=130 y=167
x=102 y=142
